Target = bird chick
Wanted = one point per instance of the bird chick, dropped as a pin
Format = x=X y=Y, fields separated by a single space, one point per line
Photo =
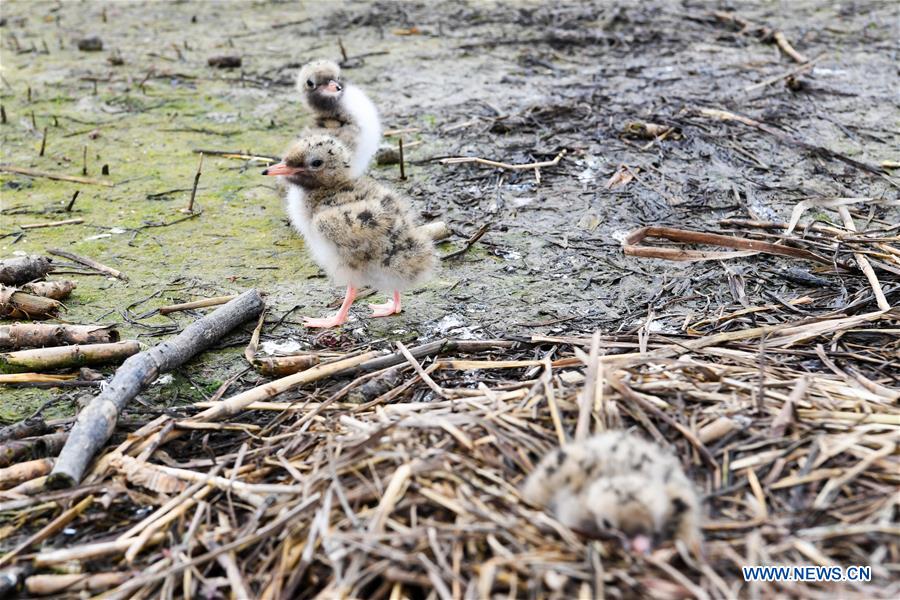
x=342 y=110
x=359 y=231
x=617 y=480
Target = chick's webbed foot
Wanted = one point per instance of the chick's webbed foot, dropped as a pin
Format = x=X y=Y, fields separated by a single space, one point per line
x=339 y=318
x=332 y=321
x=391 y=307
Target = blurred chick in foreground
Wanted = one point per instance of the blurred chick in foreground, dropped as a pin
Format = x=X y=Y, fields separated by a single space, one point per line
x=616 y=480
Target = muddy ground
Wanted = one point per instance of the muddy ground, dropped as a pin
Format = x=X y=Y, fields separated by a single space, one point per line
x=513 y=82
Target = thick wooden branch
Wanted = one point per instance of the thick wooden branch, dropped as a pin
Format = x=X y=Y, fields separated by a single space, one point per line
x=63 y=357
x=96 y=422
x=18 y=305
x=35 y=335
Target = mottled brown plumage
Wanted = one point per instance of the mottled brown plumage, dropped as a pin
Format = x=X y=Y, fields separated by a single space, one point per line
x=359 y=231
x=617 y=480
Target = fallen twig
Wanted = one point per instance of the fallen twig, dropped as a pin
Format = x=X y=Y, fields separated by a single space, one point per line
x=46 y=175
x=205 y=303
x=46 y=585
x=473 y=239
x=791 y=73
x=631 y=247
x=238 y=155
x=49 y=530
x=88 y=262
x=457 y=160
x=53 y=224
x=863 y=263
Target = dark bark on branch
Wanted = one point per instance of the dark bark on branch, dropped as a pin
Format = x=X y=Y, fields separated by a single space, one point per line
x=23 y=269
x=38 y=447
x=96 y=422
x=22 y=429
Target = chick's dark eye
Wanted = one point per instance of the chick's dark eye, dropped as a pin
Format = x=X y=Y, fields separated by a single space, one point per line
x=316 y=163
x=310 y=83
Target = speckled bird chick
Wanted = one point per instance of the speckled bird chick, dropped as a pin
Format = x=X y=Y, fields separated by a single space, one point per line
x=617 y=480
x=342 y=110
x=360 y=232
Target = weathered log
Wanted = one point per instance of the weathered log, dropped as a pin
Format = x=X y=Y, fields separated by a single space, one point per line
x=63 y=357
x=18 y=305
x=31 y=448
x=50 y=289
x=96 y=422
x=22 y=269
x=24 y=471
x=45 y=585
x=37 y=335
x=23 y=429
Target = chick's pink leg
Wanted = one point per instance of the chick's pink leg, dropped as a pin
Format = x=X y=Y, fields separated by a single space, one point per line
x=387 y=309
x=340 y=317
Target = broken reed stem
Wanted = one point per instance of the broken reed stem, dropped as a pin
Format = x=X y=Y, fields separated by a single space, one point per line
x=72 y=201
x=49 y=530
x=786 y=47
x=473 y=239
x=791 y=73
x=216 y=301
x=43 y=142
x=53 y=224
x=402 y=161
x=88 y=262
x=190 y=206
x=863 y=262
x=46 y=175
x=457 y=160
x=586 y=400
x=84 y=161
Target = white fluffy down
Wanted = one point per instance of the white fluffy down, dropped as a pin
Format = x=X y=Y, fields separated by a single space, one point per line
x=365 y=115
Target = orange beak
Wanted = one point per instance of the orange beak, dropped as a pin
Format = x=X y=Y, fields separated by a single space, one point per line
x=281 y=169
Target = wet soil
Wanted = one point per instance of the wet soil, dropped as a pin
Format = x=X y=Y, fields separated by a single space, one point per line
x=512 y=82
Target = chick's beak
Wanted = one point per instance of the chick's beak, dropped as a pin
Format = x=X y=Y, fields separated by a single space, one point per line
x=641 y=544
x=280 y=169
x=332 y=87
